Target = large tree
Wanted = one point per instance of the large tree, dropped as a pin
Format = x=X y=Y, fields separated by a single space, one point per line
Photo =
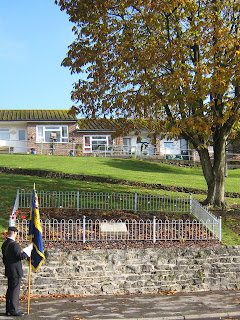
x=154 y=60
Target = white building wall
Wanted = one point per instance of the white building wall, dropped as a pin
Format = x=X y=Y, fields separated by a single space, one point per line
x=14 y=128
x=143 y=147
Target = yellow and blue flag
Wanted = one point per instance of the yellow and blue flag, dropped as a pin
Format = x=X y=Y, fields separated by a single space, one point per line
x=35 y=234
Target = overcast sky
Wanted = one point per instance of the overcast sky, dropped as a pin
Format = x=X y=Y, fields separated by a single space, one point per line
x=34 y=36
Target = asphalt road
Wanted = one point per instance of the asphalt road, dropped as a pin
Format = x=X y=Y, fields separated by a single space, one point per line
x=214 y=305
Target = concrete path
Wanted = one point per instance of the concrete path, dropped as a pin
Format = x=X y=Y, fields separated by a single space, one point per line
x=180 y=306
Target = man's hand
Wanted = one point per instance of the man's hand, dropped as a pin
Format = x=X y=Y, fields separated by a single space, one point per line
x=28 y=250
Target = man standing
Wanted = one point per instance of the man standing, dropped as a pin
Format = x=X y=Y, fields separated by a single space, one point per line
x=12 y=256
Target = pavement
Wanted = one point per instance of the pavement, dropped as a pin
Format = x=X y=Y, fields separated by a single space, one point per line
x=179 y=306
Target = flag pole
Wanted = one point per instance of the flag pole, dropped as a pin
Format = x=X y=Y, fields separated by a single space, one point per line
x=35 y=236
x=29 y=285
x=29 y=276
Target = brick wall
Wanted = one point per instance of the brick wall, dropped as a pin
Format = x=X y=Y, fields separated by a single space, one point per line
x=48 y=148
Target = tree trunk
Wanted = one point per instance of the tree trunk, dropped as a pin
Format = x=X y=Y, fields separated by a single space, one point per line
x=214 y=173
x=219 y=170
x=209 y=175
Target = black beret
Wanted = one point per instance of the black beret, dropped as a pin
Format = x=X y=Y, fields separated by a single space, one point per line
x=12 y=229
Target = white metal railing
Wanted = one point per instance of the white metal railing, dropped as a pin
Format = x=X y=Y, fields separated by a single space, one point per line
x=84 y=230
x=16 y=146
x=213 y=223
x=204 y=221
x=106 y=201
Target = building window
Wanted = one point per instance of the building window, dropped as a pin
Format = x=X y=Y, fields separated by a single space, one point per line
x=4 y=134
x=21 y=135
x=168 y=145
x=52 y=133
x=96 y=143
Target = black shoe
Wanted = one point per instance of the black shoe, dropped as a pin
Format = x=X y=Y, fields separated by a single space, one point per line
x=16 y=314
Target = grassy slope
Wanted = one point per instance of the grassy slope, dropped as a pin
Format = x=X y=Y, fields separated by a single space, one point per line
x=127 y=169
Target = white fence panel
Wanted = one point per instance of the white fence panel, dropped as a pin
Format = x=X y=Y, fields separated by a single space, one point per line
x=106 y=201
x=213 y=223
x=91 y=230
x=206 y=223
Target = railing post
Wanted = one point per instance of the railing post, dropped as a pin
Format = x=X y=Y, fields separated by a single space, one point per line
x=154 y=229
x=191 y=212
x=135 y=202
x=220 y=228
x=18 y=197
x=84 y=228
x=77 y=199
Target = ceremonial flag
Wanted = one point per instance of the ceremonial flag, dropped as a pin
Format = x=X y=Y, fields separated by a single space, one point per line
x=35 y=234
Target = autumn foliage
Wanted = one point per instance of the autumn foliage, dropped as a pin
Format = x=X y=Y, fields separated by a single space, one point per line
x=172 y=65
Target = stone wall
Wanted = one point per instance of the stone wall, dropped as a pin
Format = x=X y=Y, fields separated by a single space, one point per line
x=96 y=272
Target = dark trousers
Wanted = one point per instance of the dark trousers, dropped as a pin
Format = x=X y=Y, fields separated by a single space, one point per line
x=12 y=295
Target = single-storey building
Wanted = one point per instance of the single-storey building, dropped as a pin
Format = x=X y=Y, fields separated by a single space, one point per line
x=61 y=133
x=37 y=131
x=97 y=135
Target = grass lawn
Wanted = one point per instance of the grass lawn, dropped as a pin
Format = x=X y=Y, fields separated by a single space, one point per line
x=126 y=169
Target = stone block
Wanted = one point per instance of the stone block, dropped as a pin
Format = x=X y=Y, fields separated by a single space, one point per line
x=117 y=229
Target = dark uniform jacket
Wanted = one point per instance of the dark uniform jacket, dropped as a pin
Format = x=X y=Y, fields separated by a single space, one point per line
x=12 y=256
